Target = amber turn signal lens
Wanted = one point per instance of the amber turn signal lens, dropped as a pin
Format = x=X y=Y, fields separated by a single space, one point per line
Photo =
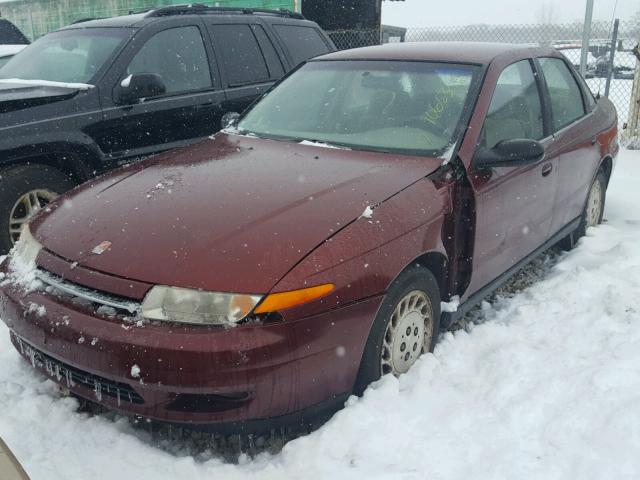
x=280 y=301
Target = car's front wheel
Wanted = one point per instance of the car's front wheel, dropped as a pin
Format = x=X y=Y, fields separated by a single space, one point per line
x=592 y=213
x=24 y=190
x=406 y=326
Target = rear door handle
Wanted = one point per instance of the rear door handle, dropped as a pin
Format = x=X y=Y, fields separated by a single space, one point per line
x=594 y=140
x=546 y=169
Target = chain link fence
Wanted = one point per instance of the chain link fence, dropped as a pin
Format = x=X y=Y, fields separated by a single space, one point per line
x=565 y=37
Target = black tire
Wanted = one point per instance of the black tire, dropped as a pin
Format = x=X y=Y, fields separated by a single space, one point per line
x=415 y=278
x=571 y=240
x=19 y=180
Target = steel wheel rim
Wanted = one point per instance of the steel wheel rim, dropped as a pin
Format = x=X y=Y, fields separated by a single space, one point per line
x=26 y=207
x=408 y=334
x=594 y=205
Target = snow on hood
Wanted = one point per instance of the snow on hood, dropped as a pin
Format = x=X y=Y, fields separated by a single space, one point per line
x=229 y=214
x=10 y=49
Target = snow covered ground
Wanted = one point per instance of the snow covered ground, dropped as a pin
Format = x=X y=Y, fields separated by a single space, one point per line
x=546 y=387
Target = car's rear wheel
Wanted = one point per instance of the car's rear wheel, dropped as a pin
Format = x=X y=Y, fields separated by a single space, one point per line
x=592 y=213
x=406 y=326
x=24 y=191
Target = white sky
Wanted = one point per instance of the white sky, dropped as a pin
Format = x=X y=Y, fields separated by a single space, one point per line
x=422 y=13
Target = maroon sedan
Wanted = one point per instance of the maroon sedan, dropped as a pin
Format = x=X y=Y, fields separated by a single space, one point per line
x=264 y=275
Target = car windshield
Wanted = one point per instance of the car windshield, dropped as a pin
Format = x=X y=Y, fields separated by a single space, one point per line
x=70 y=56
x=404 y=107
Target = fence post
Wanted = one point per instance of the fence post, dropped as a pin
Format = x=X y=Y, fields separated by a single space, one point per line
x=586 y=35
x=632 y=132
x=33 y=34
x=612 y=54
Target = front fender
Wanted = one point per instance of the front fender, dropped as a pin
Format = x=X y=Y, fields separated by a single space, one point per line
x=366 y=256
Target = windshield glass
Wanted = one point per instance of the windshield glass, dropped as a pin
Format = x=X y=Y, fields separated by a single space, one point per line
x=405 y=107
x=70 y=56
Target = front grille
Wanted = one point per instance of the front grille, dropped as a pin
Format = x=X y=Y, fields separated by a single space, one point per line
x=72 y=376
x=106 y=301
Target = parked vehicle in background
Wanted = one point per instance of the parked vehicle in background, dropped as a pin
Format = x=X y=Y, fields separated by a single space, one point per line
x=573 y=54
x=624 y=65
x=12 y=40
x=101 y=93
x=8 y=51
x=260 y=277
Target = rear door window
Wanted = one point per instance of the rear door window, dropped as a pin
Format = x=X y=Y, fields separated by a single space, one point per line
x=302 y=42
x=276 y=70
x=566 y=98
x=241 y=55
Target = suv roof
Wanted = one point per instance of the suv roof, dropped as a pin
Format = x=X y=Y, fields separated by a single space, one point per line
x=139 y=19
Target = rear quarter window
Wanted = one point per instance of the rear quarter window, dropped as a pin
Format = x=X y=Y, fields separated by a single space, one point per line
x=302 y=42
x=241 y=54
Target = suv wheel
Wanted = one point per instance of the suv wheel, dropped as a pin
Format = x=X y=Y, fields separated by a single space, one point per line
x=406 y=326
x=24 y=190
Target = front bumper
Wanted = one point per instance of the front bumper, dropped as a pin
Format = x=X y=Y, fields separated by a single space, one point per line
x=201 y=376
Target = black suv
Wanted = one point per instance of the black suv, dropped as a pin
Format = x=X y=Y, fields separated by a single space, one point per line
x=101 y=93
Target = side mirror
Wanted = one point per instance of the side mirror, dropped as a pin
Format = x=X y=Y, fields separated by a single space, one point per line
x=509 y=153
x=229 y=119
x=138 y=86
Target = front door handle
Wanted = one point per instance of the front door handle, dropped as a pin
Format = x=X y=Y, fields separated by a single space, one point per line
x=546 y=169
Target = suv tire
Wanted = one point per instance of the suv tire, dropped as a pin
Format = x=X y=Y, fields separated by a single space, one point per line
x=24 y=189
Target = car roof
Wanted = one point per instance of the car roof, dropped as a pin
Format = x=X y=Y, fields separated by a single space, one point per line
x=461 y=52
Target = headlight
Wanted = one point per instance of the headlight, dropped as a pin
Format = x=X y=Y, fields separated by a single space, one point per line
x=185 y=305
x=25 y=251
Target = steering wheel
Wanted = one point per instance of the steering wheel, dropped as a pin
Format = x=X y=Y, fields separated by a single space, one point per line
x=438 y=128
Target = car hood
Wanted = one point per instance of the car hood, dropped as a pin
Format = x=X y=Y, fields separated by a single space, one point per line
x=15 y=95
x=230 y=214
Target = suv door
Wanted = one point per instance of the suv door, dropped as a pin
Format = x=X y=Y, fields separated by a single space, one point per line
x=574 y=129
x=191 y=107
x=513 y=204
x=249 y=61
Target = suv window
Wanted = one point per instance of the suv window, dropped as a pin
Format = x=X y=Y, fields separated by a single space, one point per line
x=241 y=54
x=302 y=42
x=276 y=70
x=515 y=110
x=178 y=56
x=566 y=97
